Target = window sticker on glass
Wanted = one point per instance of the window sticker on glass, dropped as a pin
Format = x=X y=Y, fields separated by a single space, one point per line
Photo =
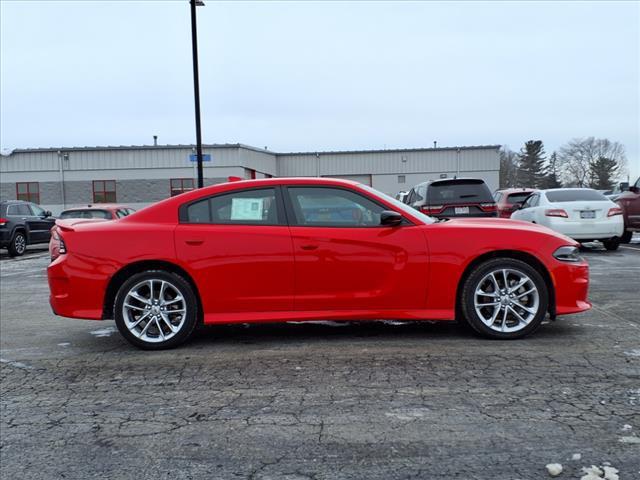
x=247 y=208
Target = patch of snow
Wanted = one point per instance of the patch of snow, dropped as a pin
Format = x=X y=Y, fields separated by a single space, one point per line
x=329 y=323
x=626 y=427
x=605 y=472
x=554 y=469
x=629 y=439
x=103 y=332
x=394 y=323
x=64 y=344
x=576 y=456
x=408 y=414
x=592 y=473
x=15 y=364
x=633 y=353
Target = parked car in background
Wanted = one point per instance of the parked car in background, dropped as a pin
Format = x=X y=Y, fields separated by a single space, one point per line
x=100 y=210
x=284 y=249
x=23 y=223
x=629 y=202
x=453 y=197
x=580 y=213
x=402 y=196
x=510 y=199
x=90 y=213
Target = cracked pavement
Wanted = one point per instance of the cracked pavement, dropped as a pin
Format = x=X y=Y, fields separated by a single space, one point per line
x=370 y=400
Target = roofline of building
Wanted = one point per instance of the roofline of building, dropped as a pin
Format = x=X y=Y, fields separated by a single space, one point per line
x=246 y=147
x=393 y=150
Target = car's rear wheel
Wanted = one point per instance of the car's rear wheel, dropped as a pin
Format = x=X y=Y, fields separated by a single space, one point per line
x=611 y=243
x=504 y=298
x=155 y=310
x=18 y=244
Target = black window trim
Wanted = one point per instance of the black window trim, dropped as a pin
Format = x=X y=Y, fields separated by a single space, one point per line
x=291 y=217
x=183 y=216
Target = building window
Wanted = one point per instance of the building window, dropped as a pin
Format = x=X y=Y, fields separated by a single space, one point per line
x=181 y=185
x=104 y=191
x=28 y=191
x=402 y=179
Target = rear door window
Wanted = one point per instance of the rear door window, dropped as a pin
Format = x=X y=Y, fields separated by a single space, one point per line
x=244 y=207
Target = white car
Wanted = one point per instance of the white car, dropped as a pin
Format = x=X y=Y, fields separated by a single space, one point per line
x=580 y=213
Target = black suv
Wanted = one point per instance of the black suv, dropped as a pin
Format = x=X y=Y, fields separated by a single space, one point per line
x=23 y=223
x=453 y=197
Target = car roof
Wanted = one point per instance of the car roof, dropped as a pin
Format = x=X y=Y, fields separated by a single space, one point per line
x=99 y=206
x=14 y=201
x=517 y=190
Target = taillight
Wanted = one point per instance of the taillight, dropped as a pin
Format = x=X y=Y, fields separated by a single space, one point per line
x=614 y=211
x=62 y=247
x=488 y=207
x=432 y=209
x=3 y=222
x=556 y=212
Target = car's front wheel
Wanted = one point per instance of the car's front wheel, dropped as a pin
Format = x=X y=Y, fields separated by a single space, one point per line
x=18 y=244
x=504 y=298
x=626 y=236
x=156 y=309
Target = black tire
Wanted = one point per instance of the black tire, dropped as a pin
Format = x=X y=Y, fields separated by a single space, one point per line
x=612 y=243
x=626 y=236
x=473 y=281
x=187 y=325
x=18 y=244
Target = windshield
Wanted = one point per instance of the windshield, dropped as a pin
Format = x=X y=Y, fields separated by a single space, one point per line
x=517 y=197
x=459 y=191
x=559 y=196
x=399 y=205
x=86 y=214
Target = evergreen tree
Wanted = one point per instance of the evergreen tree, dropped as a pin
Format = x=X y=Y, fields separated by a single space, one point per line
x=551 y=177
x=532 y=165
x=602 y=173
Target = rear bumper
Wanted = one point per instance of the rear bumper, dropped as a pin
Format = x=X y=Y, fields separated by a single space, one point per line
x=571 y=284
x=601 y=229
x=77 y=287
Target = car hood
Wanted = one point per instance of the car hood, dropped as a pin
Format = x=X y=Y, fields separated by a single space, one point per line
x=503 y=224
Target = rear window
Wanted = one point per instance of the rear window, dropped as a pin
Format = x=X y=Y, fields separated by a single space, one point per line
x=517 y=197
x=86 y=214
x=559 y=196
x=471 y=191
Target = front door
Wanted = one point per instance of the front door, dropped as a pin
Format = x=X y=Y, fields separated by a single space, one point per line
x=238 y=247
x=344 y=258
x=39 y=224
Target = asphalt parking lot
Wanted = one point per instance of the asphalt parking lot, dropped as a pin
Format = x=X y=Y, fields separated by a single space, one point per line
x=370 y=400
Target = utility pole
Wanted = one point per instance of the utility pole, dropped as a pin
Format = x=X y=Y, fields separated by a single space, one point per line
x=196 y=88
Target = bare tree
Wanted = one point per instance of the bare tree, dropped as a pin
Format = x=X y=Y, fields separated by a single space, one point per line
x=577 y=158
x=508 y=168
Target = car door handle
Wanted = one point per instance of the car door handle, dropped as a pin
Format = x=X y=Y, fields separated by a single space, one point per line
x=308 y=247
x=194 y=241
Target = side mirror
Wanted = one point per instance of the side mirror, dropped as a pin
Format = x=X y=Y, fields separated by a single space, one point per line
x=47 y=213
x=516 y=206
x=390 y=218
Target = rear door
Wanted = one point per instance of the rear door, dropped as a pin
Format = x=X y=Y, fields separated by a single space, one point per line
x=344 y=258
x=238 y=247
x=39 y=224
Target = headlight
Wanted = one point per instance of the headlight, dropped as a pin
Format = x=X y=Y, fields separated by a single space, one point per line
x=567 y=254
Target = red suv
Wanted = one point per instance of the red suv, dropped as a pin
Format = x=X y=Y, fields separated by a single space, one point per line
x=509 y=199
x=630 y=203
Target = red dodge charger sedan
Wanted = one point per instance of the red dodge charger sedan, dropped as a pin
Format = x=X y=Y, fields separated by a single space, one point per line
x=303 y=249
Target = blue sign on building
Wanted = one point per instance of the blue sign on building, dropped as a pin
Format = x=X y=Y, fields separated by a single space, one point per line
x=205 y=157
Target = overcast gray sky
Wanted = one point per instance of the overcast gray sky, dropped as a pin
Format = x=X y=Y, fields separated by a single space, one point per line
x=321 y=75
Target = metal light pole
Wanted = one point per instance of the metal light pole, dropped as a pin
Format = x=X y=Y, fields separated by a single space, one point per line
x=196 y=87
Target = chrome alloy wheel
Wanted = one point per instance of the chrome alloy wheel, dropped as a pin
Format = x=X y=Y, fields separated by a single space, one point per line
x=154 y=310
x=506 y=300
x=20 y=244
